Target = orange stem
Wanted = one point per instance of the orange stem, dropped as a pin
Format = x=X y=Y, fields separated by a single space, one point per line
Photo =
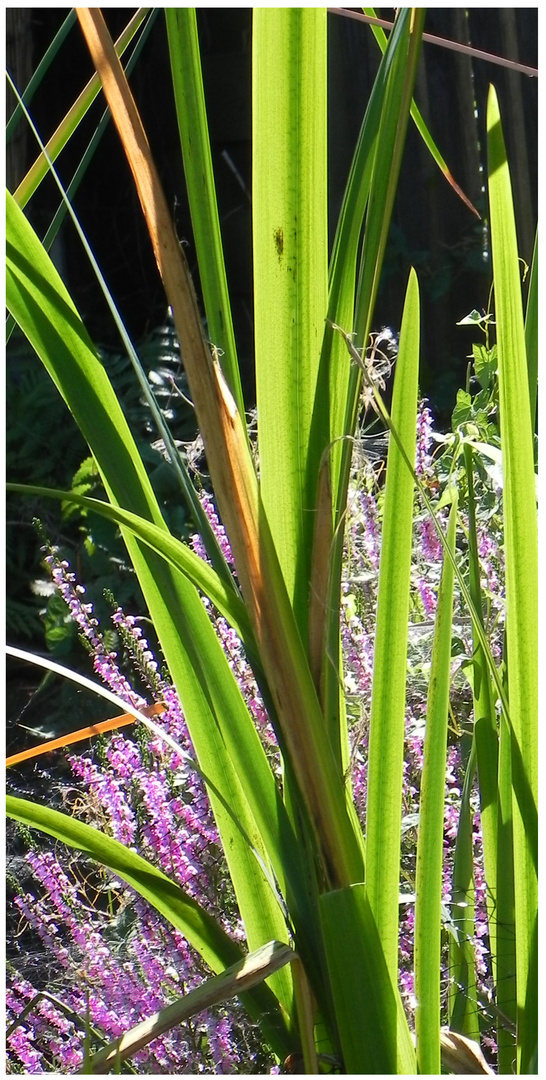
x=83 y=733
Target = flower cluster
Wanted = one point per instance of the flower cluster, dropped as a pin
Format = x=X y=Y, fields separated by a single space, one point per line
x=359 y=598
x=207 y=503
x=116 y=959
x=111 y=959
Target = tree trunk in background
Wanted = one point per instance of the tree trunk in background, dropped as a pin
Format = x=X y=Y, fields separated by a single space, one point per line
x=514 y=121
x=512 y=33
x=471 y=177
x=19 y=64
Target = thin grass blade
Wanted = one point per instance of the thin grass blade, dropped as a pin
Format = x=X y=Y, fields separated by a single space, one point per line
x=42 y=68
x=387 y=722
x=462 y=993
x=485 y=719
x=521 y=547
x=88 y=154
x=196 y=155
x=531 y=332
x=71 y=1015
x=430 y=843
x=335 y=378
x=504 y=916
x=505 y=928
x=382 y=41
x=373 y=177
x=387 y=163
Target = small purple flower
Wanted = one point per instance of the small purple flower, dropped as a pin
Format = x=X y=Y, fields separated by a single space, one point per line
x=428 y=597
x=207 y=503
x=224 y=1056
x=431 y=547
x=20 y=1042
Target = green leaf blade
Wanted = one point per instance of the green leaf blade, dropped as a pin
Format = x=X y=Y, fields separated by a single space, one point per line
x=194 y=137
x=371 y=181
x=430 y=844
x=521 y=545
x=531 y=332
x=462 y=992
x=173 y=551
x=373 y=1029
x=387 y=723
x=290 y=272
x=226 y=743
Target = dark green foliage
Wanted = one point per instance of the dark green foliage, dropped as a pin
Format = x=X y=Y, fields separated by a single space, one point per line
x=52 y=452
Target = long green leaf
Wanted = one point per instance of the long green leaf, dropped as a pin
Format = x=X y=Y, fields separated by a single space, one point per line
x=290 y=246
x=521 y=547
x=38 y=74
x=183 y=912
x=387 y=163
x=290 y=278
x=386 y=746
x=397 y=80
x=485 y=720
x=194 y=137
x=374 y=163
x=373 y=1028
x=531 y=332
x=339 y=384
x=226 y=743
x=462 y=1000
x=430 y=843
x=335 y=825
x=505 y=935
x=485 y=734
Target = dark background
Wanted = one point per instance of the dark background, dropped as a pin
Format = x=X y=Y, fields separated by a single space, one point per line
x=432 y=229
